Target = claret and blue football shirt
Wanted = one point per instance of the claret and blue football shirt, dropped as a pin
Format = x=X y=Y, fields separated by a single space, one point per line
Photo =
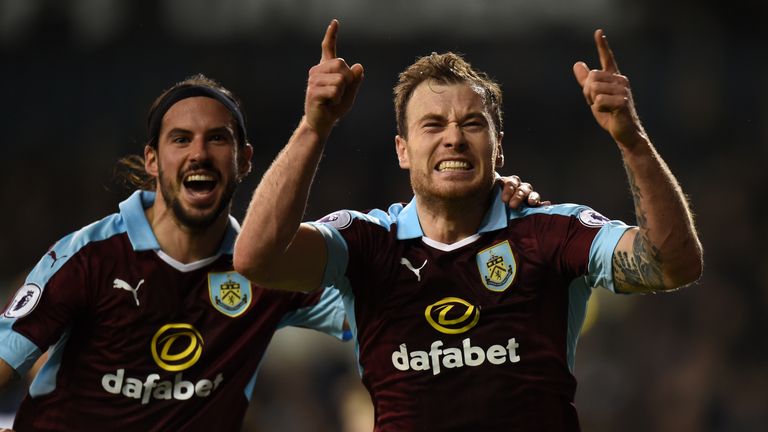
x=139 y=341
x=478 y=335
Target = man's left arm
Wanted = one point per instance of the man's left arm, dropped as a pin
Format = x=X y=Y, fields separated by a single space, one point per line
x=663 y=252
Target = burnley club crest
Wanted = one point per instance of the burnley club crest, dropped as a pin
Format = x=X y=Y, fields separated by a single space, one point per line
x=497 y=266
x=230 y=292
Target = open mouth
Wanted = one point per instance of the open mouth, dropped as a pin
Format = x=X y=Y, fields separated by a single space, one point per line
x=453 y=165
x=200 y=183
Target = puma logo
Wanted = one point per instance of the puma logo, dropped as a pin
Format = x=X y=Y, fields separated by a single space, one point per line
x=121 y=284
x=416 y=271
x=53 y=256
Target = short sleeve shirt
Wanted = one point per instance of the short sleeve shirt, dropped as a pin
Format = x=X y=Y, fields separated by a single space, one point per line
x=475 y=335
x=139 y=341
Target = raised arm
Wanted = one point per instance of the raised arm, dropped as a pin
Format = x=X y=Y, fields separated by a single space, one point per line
x=664 y=253
x=274 y=249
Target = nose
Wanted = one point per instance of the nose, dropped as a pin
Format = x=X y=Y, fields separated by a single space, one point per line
x=198 y=150
x=454 y=137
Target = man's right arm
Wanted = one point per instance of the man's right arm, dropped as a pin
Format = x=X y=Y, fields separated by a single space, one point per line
x=274 y=249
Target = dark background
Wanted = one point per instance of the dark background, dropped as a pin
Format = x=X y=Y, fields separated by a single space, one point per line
x=77 y=77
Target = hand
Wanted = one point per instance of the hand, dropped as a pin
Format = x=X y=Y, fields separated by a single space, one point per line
x=609 y=95
x=514 y=192
x=331 y=87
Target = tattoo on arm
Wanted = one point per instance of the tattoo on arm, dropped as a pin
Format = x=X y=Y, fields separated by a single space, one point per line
x=640 y=270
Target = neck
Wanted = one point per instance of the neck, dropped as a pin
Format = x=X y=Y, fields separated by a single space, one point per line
x=449 y=221
x=180 y=242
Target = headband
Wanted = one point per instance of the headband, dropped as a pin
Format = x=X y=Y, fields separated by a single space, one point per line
x=156 y=117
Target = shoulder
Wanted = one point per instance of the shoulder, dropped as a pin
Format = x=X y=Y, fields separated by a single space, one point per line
x=63 y=265
x=98 y=231
x=74 y=244
x=558 y=222
x=342 y=219
x=585 y=214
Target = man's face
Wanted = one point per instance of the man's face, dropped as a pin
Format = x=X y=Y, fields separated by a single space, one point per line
x=452 y=148
x=197 y=163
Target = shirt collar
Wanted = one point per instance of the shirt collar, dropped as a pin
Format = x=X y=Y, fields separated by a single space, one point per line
x=496 y=217
x=140 y=232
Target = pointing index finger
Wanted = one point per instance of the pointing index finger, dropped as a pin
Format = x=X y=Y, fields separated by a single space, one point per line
x=607 y=60
x=329 y=41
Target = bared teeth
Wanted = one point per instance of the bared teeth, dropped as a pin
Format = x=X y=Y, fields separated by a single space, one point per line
x=453 y=166
x=199 y=177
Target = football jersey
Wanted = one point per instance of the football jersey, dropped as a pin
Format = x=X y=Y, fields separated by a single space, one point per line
x=139 y=341
x=478 y=335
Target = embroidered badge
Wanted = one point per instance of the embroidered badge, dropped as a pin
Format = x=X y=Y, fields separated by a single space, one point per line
x=24 y=301
x=230 y=292
x=497 y=266
x=592 y=218
x=339 y=220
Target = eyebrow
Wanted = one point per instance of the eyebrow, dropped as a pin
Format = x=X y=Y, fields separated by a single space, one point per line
x=178 y=131
x=475 y=115
x=428 y=117
x=438 y=117
x=220 y=129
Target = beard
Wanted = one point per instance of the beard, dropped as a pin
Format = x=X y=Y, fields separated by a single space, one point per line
x=203 y=220
x=427 y=190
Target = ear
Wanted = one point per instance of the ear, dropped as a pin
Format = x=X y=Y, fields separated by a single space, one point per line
x=402 y=153
x=244 y=161
x=499 y=151
x=150 y=161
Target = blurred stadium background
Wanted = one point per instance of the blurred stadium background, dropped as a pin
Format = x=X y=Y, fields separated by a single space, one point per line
x=78 y=76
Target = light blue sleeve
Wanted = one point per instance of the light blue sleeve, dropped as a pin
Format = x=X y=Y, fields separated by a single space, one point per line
x=19 y=352
x=338 y=253
x=601 y=254
x=16 y=349
x=327 y=316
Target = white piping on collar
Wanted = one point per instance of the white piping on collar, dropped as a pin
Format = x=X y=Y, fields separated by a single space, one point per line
x=450 y=247
x=186 y=268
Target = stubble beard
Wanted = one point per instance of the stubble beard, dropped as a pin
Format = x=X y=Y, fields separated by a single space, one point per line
x=192 y=222
x=447 y=195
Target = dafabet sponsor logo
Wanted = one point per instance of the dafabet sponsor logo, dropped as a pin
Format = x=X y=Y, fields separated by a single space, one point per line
x=451 y=316
x=175 y=347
